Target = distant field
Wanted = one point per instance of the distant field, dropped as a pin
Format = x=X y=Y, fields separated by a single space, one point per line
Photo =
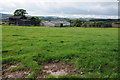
x=93 y=51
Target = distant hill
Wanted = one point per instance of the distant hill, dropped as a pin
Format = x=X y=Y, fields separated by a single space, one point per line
x=5 y=15
x=52 y=18
x=4 y=18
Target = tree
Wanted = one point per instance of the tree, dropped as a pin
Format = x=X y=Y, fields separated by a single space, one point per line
x=20 y=12
x=76 y=23
x=38 y=19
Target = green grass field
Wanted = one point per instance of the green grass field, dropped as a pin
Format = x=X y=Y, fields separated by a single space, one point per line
x=93 y=50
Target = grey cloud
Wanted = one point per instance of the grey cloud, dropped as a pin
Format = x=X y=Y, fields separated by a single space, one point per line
x=106 y=8
x=64 y=8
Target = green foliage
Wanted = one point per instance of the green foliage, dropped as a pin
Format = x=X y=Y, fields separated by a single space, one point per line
x=16 y=68
x=50 y=76
x=116 y=22
x=94 y=51
x=32 y=75
x=97 y=24
x=38 y=19
x=20 y=12
x=76 y=23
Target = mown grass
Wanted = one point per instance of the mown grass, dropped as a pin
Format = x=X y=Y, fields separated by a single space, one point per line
x=93 y=50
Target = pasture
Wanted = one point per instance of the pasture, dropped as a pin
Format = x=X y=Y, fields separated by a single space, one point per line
x=93 y=51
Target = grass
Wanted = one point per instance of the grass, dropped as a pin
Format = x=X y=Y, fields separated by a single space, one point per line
x=93 y=50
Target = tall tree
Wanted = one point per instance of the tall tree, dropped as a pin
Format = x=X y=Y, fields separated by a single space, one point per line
x=20 y=12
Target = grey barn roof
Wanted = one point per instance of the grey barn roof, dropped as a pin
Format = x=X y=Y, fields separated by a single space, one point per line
x=16 y=17
x=56 y=22
x=20 y=17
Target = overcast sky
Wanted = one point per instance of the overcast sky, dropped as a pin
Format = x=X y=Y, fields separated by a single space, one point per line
x=63 y=8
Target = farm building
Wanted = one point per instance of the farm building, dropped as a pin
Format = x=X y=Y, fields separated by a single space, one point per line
x=22 y=21
x=55 y=23
x=116 y=25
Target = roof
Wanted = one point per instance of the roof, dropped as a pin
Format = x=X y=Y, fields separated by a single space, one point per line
x=56 y=22
x=59 y=22
x=17 y=17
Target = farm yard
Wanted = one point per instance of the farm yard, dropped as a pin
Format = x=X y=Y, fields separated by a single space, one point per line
x=59 y=52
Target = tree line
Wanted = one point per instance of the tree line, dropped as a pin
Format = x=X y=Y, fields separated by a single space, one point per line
x=74 y=22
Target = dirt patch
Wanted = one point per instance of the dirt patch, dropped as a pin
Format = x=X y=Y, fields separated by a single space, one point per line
x=15 y=74
x=7 y=67
x=6 y=73
x=57 y=69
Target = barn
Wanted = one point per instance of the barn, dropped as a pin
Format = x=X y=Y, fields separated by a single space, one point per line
x=55 y=23
x=22 y=21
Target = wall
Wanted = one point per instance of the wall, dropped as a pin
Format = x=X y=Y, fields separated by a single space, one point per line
x=115 y=25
